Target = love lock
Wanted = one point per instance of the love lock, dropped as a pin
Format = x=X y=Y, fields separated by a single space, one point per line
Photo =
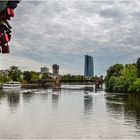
x=6 y=12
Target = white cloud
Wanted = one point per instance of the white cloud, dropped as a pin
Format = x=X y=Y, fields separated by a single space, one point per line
x=22 y=62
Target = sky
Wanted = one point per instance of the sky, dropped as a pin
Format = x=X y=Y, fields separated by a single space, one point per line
x=63 y=31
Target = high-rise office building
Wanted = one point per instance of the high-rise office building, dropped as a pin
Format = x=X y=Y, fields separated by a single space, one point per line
x=88 y=70
x=55 y=70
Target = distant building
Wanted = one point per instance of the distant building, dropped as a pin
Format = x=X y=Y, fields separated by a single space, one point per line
x=55 y=70
x=88 y=69
x=4 y=72
x=44 y=70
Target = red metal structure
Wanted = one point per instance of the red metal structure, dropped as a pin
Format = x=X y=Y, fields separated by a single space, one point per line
x=7 y=8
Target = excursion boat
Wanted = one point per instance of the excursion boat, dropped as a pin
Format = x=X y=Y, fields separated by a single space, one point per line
x=12 y=85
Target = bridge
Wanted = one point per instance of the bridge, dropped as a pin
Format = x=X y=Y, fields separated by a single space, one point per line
x=57 y=82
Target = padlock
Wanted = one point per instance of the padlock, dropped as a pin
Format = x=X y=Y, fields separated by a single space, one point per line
x=6 y=38
x=5 y=49
x=10 y=12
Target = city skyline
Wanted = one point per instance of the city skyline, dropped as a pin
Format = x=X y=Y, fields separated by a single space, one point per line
x=61 y=32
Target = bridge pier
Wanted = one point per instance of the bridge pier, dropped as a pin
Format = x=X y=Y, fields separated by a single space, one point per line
x=98 y=82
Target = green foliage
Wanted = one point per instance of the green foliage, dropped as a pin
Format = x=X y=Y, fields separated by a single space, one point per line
x=46 y=76
x=135 y=87
x=130 y=74
x=120 y=84
x=110 y=83
x=113 y=72
x=73 y=77
x=122 y=78
x=27 y=75
x=35 y=76
x=4 y=78
x=14 y=73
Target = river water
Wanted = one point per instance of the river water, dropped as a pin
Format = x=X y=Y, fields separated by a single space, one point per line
x=73 y=112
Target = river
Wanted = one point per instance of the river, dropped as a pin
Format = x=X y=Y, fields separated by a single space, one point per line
x=75 y=111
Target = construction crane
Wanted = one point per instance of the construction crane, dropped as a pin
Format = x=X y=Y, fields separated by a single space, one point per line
x=7 y=8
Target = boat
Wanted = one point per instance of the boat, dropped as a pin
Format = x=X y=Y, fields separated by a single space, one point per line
x=12 y=85
x=28 y=91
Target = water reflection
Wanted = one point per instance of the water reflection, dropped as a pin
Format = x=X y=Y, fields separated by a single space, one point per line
x=55 y=96
x=127 y=104
x=114 y=104
x=56 y=90
x=132 y=108
x=2 y=94
x=63 y=114
x=89 y=89
x=27 y=97
x=13 y=99
x=88 y=104
x=43 y=95
x=88 y=99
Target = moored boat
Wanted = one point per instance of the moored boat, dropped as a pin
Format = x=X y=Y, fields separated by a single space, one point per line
x=12 y=85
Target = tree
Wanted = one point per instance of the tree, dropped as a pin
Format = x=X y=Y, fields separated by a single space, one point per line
x=122 y=79
x=4 y=78
x=14 y=73
x=74 y=77
x=45 y=76
x=27 y=75
x=130 y=74
x=35 y=76
x=113 y=72
x=135 y=87
x=138 y=66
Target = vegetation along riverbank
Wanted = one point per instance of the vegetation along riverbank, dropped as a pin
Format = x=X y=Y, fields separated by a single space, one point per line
x=33 y=79
x=123 y=78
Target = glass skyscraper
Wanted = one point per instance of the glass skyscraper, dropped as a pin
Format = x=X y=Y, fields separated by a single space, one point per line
x=88 y=70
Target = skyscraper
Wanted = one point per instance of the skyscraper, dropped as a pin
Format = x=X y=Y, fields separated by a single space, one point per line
x=55 y=70
x=88 y=70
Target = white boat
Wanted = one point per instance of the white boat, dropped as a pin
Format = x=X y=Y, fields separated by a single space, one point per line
x=12 y=85
x=28 y=91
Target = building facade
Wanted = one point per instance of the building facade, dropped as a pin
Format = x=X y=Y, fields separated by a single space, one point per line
x=55 y=70
x=44 y=70
x=88 y=69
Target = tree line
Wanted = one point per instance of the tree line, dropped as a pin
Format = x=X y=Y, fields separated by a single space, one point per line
x=15 y=74
x=123 y=78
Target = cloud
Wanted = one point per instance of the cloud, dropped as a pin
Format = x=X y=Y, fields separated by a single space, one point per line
x=62 y=32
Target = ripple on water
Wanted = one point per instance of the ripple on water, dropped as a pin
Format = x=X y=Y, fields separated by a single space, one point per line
x=69 y=114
